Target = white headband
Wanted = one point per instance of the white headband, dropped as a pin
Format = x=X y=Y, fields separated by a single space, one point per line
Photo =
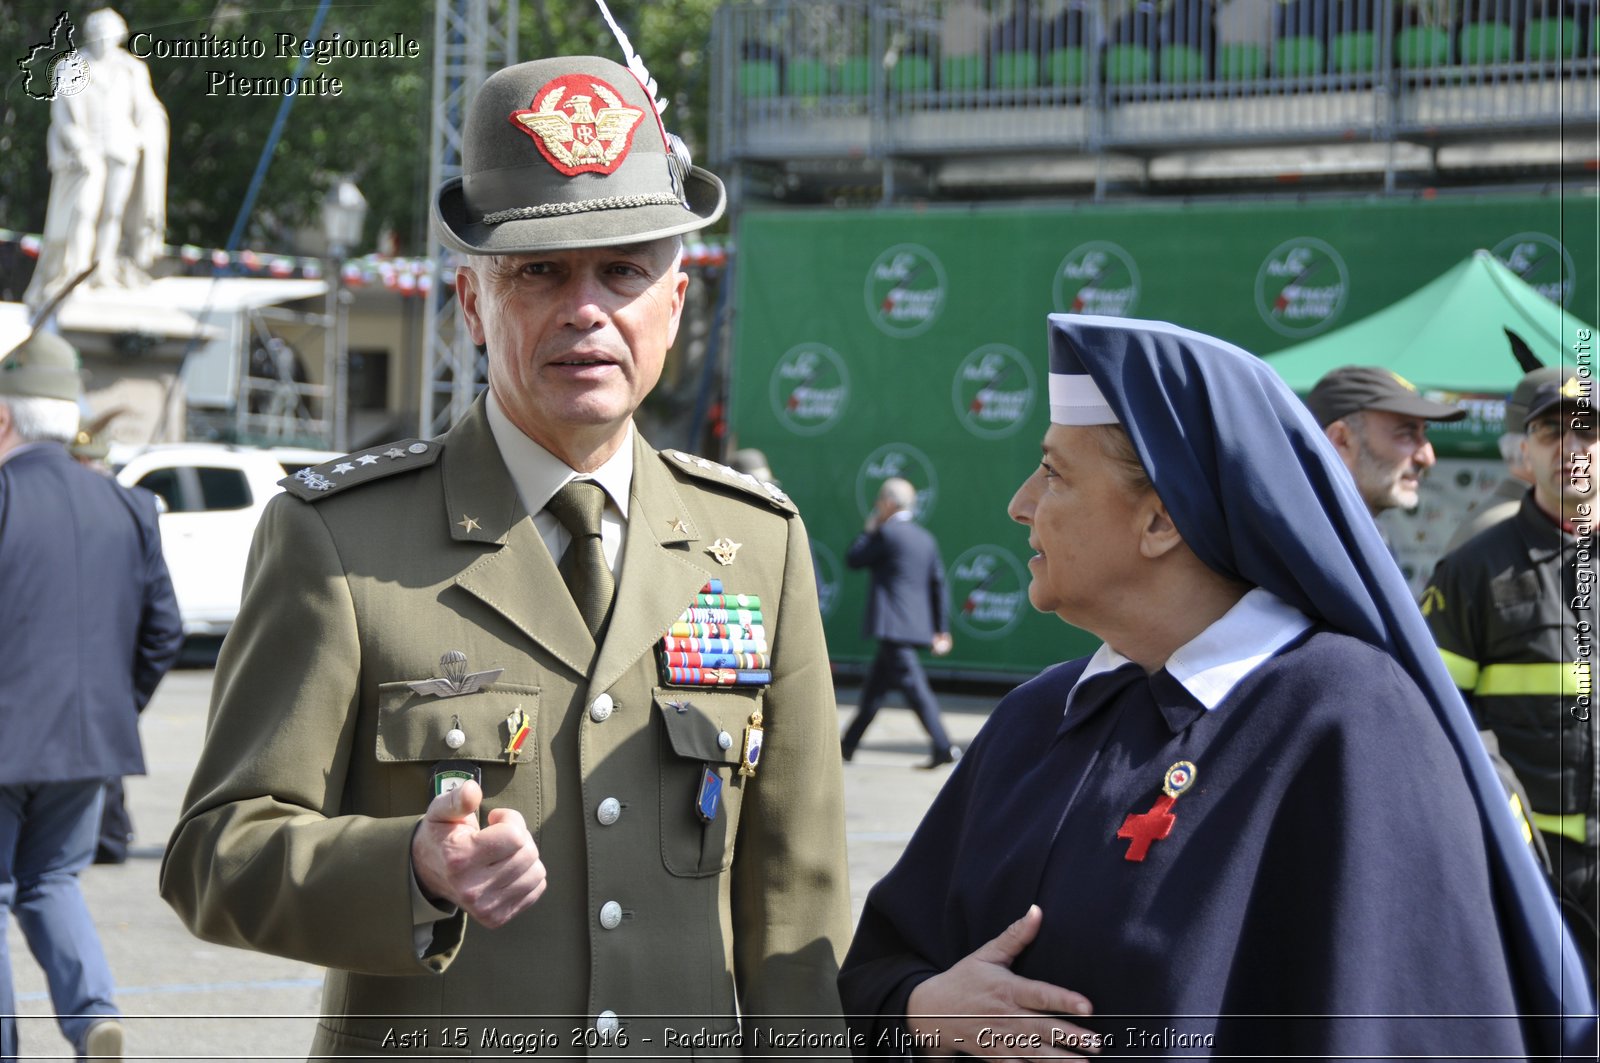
x=1077 y=400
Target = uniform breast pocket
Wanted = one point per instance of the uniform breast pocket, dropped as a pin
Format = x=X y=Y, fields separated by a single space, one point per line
x=416 y=732
x=701 y=788
x=1515 y=591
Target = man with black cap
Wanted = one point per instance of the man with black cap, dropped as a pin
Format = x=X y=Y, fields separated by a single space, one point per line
x=1257 y=821
x=527 y=733
x=1378 y=423
x=1513 y=612
x=89 y=624
x=1506 y=498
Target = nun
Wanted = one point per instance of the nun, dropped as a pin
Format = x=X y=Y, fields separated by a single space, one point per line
x=1258 y=819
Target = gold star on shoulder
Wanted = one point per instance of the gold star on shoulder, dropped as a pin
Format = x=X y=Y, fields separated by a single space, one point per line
x=468 y=523
x=680 y=527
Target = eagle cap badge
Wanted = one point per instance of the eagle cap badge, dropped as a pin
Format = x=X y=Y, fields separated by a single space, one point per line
x=580 y=124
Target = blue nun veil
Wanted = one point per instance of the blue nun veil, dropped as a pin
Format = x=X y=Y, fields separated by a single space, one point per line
x=1260 y=496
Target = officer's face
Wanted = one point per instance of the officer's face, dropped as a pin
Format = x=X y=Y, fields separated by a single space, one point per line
x=1562 y=460
x=576 y=339
x=1084 y=523
x=1388 y=453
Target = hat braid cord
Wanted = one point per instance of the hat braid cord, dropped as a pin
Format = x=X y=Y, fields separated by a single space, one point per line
x=552 y=210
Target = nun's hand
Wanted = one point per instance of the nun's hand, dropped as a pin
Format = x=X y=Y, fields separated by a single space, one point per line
x=981 y=1008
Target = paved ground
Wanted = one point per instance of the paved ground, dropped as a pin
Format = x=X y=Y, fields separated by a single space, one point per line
x=186 y=999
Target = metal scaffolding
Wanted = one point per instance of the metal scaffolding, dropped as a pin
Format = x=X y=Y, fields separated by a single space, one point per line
x=471 y=38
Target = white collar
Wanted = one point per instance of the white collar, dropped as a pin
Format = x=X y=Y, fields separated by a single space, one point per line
x=1218 y=659
x=539 y=474
x=23 y=448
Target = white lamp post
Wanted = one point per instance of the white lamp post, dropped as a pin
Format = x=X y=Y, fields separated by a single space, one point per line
x=344 y=212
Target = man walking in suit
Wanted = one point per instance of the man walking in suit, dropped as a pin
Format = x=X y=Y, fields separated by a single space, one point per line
x=906 y=609
x=89 y=624
x=527 y=732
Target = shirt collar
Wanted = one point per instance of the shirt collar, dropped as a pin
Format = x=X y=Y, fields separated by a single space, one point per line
x=23 y=448
x=1218 y=659
x=899 y=514
x=539 y=474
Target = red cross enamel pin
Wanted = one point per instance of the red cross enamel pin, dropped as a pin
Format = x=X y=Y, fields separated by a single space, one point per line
x=1143 y=829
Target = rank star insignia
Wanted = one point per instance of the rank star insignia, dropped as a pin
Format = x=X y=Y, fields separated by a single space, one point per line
x=724 y=550
x=394 y=452
x=343 y=467
x=574 y=136
x=467 y=523
x=367 y=459
x=680 y=527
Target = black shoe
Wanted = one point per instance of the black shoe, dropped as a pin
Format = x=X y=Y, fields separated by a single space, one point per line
x=847 y=754
x=939 y=760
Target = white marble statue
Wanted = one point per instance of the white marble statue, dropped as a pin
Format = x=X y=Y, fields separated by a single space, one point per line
x=107 y=149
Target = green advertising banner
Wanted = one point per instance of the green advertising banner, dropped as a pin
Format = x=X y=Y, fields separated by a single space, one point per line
x=910 y=342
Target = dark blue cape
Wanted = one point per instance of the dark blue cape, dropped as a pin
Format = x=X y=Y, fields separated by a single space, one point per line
x=1323 y=892
x=1259 y=495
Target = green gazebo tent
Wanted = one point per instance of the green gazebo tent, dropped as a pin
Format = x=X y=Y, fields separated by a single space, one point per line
x=1448 y=335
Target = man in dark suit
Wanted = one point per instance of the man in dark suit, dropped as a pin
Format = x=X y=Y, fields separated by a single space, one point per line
x=88 y=625
x=906 y=610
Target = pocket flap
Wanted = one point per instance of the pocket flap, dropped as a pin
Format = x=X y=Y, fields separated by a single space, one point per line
x=412 y=726
x=696 y=722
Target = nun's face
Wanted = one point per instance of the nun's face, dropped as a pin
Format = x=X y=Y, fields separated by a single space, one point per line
x=1083 y=522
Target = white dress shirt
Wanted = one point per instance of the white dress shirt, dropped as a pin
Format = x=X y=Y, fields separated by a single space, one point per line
x=539 y=474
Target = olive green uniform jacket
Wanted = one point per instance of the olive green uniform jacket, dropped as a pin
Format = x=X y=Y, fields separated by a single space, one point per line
x=296 y=832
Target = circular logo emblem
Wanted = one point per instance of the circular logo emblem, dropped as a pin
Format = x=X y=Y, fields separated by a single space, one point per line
x=905 y=290
x=1542 y=263
x=69 y=74
x=830 y=577
x=993 y=391
x=1179 y=778
x=810 y=389
x=988 y=590
x=1302 y=286
x=1097 y=278
x=580 y=124
x=908 y=463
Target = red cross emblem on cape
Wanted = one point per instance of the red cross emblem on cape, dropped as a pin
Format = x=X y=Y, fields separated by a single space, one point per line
x=1146 y=828
x=580 y=124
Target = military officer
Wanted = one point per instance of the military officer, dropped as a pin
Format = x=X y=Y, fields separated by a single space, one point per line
x=527 y=733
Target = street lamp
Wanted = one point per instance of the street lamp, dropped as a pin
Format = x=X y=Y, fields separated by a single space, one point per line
x=344 y=212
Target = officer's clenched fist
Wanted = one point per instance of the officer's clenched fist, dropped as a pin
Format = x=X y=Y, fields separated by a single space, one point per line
x=492 y=872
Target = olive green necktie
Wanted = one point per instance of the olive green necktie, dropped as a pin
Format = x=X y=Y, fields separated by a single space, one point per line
x=577 y=506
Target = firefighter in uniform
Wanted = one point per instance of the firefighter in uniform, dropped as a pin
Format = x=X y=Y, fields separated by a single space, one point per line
x=527 y=733
x=1512 y=610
